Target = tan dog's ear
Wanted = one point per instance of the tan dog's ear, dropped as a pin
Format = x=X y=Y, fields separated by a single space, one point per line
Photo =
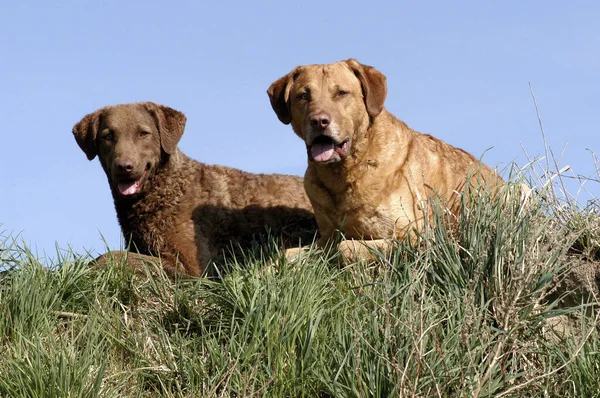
x=85 y=133
x=279 y=95
x=373 y=85
x=171 y=124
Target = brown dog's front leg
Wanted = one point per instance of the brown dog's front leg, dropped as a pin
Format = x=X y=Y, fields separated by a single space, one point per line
x=137 y=262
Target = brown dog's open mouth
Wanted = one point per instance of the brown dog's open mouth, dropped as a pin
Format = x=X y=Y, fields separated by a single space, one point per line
x=324 y=149
x=131 y=187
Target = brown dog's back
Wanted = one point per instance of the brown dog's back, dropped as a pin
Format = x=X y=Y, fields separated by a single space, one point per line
x=186 y=212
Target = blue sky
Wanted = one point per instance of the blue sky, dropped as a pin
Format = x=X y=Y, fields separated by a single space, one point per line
x=457 y=70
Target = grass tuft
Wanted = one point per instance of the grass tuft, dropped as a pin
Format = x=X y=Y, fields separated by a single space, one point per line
x=501 y=304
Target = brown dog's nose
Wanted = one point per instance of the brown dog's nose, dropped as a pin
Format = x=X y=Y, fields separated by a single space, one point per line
x=320 y=120
x=125 y=165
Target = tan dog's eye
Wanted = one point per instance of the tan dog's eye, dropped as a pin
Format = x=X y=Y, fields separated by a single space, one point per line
x=341 y=93
x=144 y=133
x=302 y=97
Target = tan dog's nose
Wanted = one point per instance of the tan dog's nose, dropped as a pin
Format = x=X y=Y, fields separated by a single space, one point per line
x=320 y=120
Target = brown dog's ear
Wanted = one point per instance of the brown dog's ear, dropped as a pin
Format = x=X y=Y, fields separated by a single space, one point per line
x=171 y=124
x=85 y=133
x=373 y=84
x=279 y=95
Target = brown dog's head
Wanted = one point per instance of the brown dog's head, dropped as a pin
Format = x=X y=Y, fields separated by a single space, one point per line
x=130 y=140
x=329 y=106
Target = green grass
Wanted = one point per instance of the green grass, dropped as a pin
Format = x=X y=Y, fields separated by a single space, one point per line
x=477 y=312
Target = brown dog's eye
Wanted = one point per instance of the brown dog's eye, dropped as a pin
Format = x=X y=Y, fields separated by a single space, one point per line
x=108 y=136
x=144 y=133
x=302 y=96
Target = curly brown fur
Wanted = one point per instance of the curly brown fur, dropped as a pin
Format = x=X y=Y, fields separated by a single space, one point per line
x=171 y=206
x=368 y=174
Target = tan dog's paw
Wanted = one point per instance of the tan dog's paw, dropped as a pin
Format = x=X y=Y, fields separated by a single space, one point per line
x=294 y=253
x=291 y=255
x=353 y=251
x=363 y=250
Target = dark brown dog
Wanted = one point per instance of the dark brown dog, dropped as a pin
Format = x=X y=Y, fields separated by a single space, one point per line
x=368 y=174
x=171 y=206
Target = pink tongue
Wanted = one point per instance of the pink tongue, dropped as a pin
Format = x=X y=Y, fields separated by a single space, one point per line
x=322 y=152
x=129 y=188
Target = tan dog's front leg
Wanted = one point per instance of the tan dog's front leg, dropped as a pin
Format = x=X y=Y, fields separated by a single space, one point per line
x=364 y=250
x=294 y=252
x=351 y=250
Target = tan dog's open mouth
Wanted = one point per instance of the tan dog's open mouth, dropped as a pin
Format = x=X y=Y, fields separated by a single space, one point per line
x=324 y=149
x=131 y=187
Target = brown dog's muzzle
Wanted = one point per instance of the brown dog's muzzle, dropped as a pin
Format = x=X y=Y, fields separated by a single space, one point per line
x=124 y=166
x=127 y=179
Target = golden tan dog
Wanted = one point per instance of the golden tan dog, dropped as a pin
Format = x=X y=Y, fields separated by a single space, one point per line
x=368 y=174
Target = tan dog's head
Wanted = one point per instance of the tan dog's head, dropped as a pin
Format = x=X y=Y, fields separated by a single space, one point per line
x=131 y=140
x=329 y=106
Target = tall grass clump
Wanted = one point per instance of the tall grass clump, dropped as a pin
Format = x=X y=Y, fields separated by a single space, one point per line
x=498 y=301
